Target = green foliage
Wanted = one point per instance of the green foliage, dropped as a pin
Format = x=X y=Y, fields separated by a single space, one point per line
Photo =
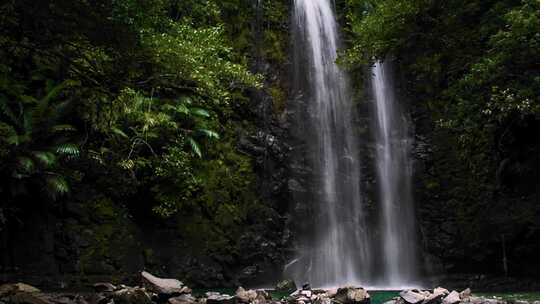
x=470 y=70
x=138 y=110
x=36 y=140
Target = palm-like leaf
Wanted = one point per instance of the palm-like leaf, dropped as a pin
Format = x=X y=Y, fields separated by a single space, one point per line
x=118 y=132
x=199 y=112
x=25 y=164
x=208 y=133
x=47 y=159
x=194 y=146
x=56 y=186
x=68 y=150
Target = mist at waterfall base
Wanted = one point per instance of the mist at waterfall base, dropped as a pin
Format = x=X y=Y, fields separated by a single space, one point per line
x=339 y=248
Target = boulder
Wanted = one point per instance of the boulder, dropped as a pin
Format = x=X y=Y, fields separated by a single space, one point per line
x=28 y=298
x=323 y=300
x=97 y=298
x=412 y=296
x=352 y=295
x=465 y=294
x=10 y=289
x=104 y=287
x=217 y=298
x=433 y=298
x=182 y=299
x=331 y=292
x=306 y=293
x=246 y=296
x=163 y=286
x=131 y=295
x=440 y=290
x=452 y=298
x=286 y=286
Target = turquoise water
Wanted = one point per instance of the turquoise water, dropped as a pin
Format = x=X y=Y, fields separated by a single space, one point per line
x=519 y=296
x=380 y=296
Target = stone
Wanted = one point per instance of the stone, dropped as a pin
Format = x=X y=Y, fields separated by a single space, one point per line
x=440 y=290
x=452 y=298
x=412 y=296
x=163 y=286
x=433 y=298
x=131 y=295
x=286 y=285
x=28 y=298
x=10 y=289
x=465 y=294
x=323 y=300
x=306 y=293
x=352 y=295
x=245 y=296
x=216 y=298
x=97 y=298
x=182 y=299
x=104 y=287
x=331 y=292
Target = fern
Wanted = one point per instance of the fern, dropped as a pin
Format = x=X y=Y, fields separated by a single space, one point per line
x=208 y=133
x=47 y=159
x=68 y=150
x=26 y=164
x=56 y=186
x=199 y=112
x=118 y=132
x=195 y=147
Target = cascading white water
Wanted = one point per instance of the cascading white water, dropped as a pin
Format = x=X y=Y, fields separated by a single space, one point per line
x=394 y=172
x=339 y=250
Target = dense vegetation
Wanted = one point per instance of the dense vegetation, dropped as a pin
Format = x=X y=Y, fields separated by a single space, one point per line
x=471 y=72
x=131 y=104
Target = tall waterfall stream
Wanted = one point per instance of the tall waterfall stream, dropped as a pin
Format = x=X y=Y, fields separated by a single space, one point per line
x=341 y=249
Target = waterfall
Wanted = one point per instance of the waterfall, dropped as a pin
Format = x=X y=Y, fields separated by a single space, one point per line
x=338 y=250
x=394 y=171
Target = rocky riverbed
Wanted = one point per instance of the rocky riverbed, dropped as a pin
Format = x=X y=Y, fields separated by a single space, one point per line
x=155 y=290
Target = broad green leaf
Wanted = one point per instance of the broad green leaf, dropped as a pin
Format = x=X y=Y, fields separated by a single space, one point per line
x=199 y=112
x=209 y=133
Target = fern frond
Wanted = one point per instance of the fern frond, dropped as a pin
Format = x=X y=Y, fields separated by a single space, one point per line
x=199 y=112
x=195 y=147
x=208 y=133
x=53 y=91
x=56 y=186
x=48 y=159
x=119 y=132
x=26 y=164
x=68 y=150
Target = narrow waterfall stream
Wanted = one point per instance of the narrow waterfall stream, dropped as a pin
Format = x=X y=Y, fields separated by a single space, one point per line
x=394 y=172
x=339 y=249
